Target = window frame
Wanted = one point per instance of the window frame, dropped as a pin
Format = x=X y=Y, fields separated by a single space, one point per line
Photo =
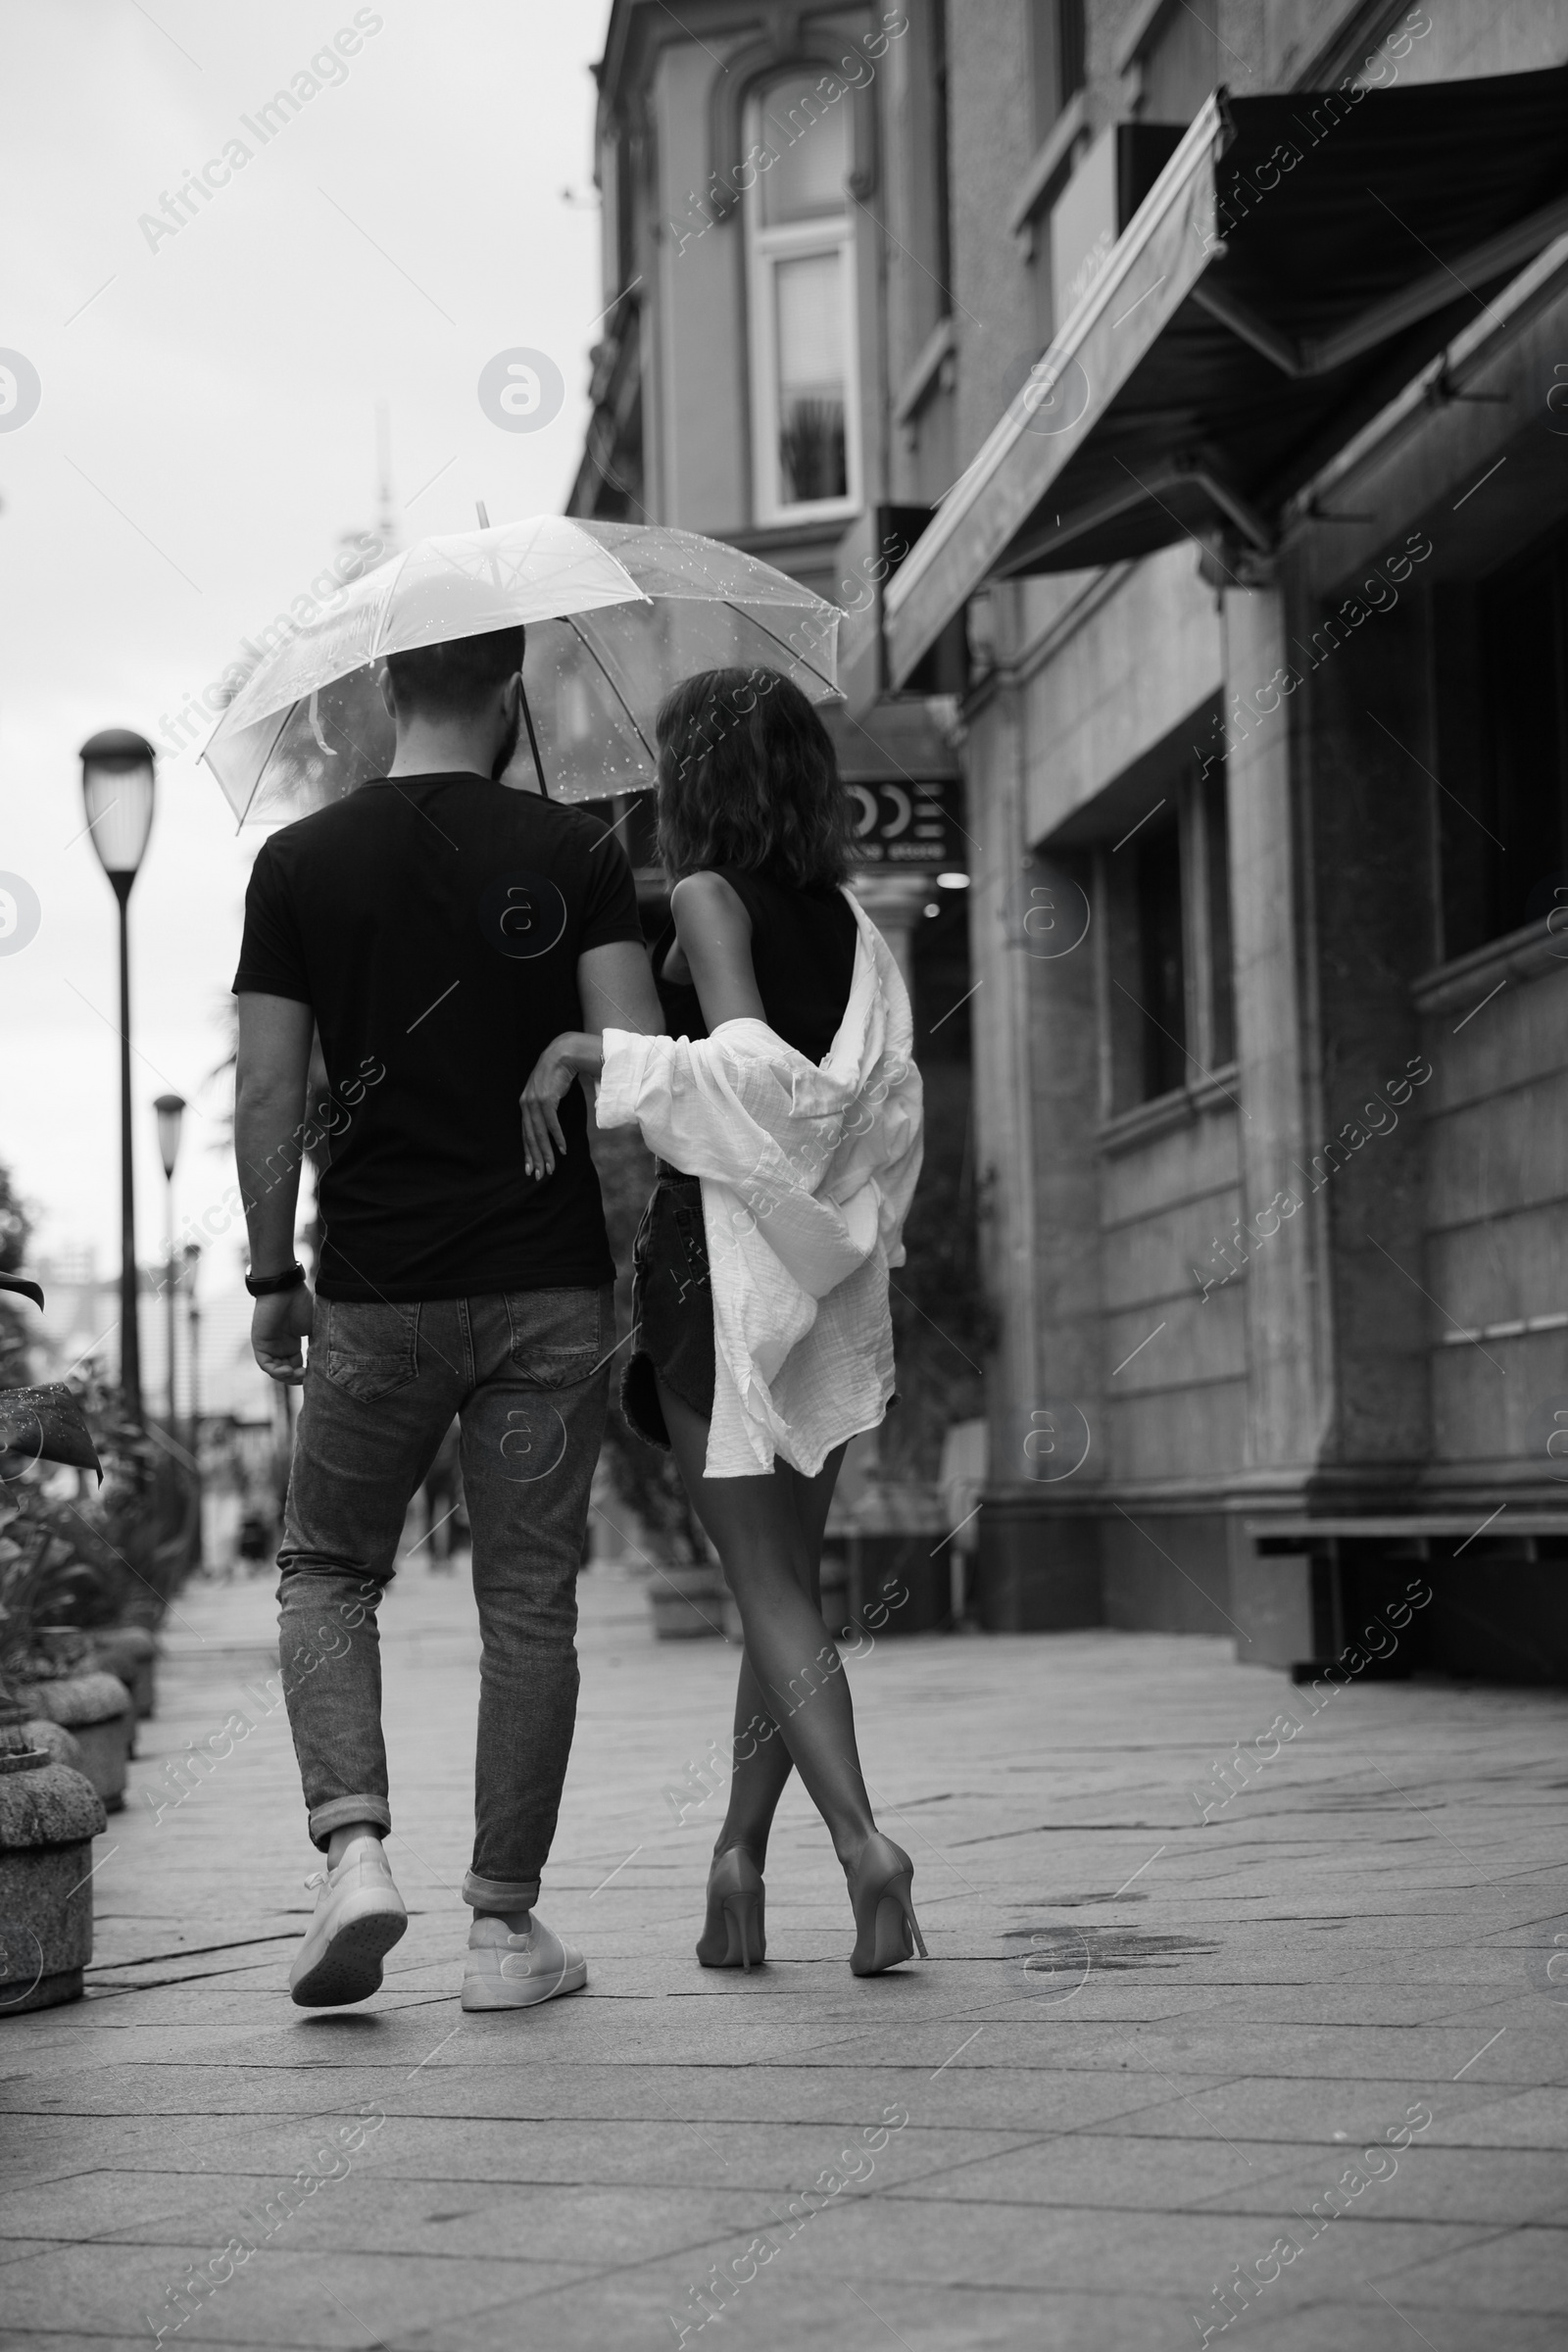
x=1207 y=936
x=1057 y=38
x=764 y=248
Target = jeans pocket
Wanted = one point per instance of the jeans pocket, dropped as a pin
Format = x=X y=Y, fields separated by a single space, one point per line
x=372 y=1348
x=557 y=1337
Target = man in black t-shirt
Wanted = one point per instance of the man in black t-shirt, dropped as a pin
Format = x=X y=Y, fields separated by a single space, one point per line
x=437 y=930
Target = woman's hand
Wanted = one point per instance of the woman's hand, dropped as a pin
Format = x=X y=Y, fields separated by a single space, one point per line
x=566 y=1058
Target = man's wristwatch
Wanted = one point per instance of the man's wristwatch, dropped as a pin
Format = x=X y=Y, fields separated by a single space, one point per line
x=262 y=1286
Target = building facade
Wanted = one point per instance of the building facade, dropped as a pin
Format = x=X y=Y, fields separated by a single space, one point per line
x=1217 y=361
x=1268 y=773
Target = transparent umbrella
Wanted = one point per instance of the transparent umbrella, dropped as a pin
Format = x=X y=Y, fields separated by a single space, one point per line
x=615 y=612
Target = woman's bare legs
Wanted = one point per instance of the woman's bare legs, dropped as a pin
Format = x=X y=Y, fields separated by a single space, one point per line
x=763 y=1530
x=761 y=1762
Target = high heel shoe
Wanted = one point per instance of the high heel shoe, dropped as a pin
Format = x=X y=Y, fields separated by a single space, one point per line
x=886 y=1930
x=734 y=1935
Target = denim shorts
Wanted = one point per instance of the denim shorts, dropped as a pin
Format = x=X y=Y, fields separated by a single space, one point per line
x=672 y=1308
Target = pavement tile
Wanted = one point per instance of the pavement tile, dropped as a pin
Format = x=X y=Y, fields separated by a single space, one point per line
x=284 y=2294
x=1520 y=2270
x=1143 y=2047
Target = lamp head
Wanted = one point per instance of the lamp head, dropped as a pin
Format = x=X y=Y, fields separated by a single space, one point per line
x=169 y=1109
x=116 y=787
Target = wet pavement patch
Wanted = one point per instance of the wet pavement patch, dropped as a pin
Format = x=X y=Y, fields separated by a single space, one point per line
x=1108 y=1948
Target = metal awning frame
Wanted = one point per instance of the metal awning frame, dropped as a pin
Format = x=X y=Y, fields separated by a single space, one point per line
x=1156 y=265
x=1152 y=267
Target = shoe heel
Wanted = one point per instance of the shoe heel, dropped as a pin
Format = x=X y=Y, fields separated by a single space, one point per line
x=741 y=1916
x=898 y=1932
x=734 y=1935
x=886 y=1929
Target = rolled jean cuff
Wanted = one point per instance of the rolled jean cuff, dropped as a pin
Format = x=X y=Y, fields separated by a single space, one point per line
x=337 y=1815
x=500 y=1894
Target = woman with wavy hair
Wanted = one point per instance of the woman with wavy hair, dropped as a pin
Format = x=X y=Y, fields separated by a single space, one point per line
x=784 y=1111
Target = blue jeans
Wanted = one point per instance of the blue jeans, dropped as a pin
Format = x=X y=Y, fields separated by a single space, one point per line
x=527 y=1373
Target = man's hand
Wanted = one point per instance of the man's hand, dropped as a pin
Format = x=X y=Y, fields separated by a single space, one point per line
x=281 y=1320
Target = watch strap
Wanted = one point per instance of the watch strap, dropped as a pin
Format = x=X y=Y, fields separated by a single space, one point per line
x=263 y=1286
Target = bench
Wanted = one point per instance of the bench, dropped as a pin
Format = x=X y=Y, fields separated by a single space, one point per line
x=1306 y=1589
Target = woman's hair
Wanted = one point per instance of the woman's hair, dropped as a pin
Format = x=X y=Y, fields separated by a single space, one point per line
x=747 y=777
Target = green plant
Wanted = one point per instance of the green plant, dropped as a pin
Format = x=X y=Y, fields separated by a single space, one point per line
x=15 y=1231
x=41 y=1583
x=72 y=1558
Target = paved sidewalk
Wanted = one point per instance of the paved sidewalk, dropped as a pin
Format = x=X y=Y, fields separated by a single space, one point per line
x=1144 y=2049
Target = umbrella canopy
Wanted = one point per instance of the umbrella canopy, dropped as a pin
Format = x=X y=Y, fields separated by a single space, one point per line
x=616 y=613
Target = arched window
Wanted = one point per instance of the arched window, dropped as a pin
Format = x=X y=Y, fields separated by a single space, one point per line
x=800 y=252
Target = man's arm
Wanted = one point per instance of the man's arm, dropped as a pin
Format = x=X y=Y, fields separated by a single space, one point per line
x=616 y=984
x=274 y=1055
x=617 y=992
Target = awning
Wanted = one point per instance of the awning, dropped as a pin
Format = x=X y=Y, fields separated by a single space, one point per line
x=1297 y=261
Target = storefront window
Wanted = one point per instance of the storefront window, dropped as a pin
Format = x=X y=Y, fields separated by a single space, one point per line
x=1505 y=829
x=1161 y=959
x=1165 y=895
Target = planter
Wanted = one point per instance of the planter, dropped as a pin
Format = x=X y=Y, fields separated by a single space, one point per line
x=687 y=1603
x=96 y=1709
x=49 y=1817
x=130 y=1655
x=55 y=1742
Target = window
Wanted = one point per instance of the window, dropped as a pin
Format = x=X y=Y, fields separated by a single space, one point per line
x=1164 y=887
x=1211 y=816
x=943 y=191
x=1056 y=58
x=1161 y=959
x=1502 y=652
x=801 y=279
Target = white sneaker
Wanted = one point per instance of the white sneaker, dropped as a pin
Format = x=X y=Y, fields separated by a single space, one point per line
x=505 y=1970
x=358 y=1918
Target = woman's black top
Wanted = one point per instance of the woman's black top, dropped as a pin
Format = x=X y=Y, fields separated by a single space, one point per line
x=802 y=952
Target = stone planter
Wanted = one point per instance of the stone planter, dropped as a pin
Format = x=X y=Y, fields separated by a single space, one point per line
x=96 y=1709
x=687 y=1602
x=56 y=1742
x=130 y=1655
x=49 y=1817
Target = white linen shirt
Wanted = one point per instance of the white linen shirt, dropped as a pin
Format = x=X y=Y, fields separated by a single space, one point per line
x=808 y=1170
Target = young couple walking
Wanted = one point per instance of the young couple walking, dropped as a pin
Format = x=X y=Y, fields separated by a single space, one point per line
x=466 y=953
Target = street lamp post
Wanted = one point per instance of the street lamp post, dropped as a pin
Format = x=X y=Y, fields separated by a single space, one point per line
x=193 y=1319
x=170 y=1110
x=117 y=786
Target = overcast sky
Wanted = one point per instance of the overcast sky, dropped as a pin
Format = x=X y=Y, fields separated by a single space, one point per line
x=205 y=431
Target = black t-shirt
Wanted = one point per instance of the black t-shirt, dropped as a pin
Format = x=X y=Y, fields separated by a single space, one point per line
x=433 y=926
x=803 y=956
